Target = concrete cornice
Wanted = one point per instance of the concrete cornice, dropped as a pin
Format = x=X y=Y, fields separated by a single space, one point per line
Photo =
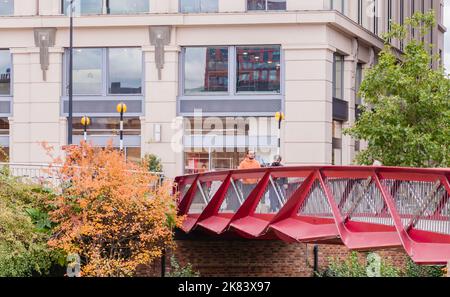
x=332 y=18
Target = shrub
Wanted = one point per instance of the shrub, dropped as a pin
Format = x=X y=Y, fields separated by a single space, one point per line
x=414 y=270
x=109 y=215
x=24 y=229
x=181 y=271
x=354 y=266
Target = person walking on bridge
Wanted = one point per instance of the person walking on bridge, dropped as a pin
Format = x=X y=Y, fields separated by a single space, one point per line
x=248 y=184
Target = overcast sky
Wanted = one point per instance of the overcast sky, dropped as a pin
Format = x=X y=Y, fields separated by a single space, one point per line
x=447 y=35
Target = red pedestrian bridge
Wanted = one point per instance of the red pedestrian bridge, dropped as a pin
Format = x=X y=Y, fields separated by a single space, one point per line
x=363 y=208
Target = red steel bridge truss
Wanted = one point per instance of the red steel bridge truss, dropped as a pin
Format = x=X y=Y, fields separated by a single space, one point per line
x=364 y=208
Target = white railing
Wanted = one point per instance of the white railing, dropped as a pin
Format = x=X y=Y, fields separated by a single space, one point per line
x=47 y=174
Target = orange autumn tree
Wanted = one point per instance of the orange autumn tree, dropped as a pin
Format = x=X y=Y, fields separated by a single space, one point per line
x=110 y=212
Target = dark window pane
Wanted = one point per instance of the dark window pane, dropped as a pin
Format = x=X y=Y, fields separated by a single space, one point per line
x=276 y=4
x=205 y=70
x=338 y=91
x=258 y=69
x=199 y=6
x=84 y=7
x=5 y=72
x=87 y=71
x=256 y=4
x=108 y=126
x=125 y=71
x=128 y=6
x=6 y=7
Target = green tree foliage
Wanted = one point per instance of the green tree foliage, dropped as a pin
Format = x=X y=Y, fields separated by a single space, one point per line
x=406 y=113
x=24 y=229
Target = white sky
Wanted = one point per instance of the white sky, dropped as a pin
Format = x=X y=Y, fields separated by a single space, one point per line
x=447 y=35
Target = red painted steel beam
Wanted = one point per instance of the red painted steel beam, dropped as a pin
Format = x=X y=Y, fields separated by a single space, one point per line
x=423 y=246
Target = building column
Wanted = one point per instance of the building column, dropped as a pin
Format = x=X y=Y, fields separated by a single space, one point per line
x=161 y=109
x=36 y=105
x=306 y=134
x=348 y=143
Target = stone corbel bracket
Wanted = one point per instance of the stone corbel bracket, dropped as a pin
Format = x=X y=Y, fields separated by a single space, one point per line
x=160 y=37
x=44 y=38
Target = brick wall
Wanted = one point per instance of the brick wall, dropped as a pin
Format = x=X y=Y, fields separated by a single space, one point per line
x=258 y=258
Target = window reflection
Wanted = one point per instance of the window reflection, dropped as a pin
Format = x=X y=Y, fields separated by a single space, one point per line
x=206 y=70
x=85 y=7
x=256 y=4
x=87 y=71
x=125 y=71
x=276 y=4
x=108 y=126
x=338 y=91
x=5 y=72
x=258 y=69
x=6 y=7
x=187 y=6
x=266 y=4
x=128 y=6
x=104 y=127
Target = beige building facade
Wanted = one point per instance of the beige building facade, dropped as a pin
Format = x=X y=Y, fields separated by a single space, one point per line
x=234 y=62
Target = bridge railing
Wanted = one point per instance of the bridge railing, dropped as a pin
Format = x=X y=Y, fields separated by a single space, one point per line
x=361 y=207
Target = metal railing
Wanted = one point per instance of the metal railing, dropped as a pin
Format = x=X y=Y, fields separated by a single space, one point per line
x=360 y=207
x=49 y=175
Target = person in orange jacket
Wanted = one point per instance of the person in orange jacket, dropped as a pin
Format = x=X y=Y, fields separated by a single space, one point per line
x=248 y=184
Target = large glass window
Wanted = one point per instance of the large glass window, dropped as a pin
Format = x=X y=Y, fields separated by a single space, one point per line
x=266 y=4
x=5 y=72
x=108 y=128
x=232 y=137
x=128 y=6
x=125 y=71
x=205 y=70
x=6 y=7
x=338 y=76
x=84 y=6
x=87 y=71
x=197 y=6
x=258 y=69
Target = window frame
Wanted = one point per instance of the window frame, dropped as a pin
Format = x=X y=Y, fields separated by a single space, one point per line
x=266 y=7
x=181 y=11
x=13 y=11
x=104 y=96
x=232 y=75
